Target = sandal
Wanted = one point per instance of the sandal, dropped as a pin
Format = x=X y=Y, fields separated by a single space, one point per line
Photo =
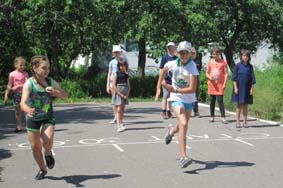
x=245 y=125
x=238 y=125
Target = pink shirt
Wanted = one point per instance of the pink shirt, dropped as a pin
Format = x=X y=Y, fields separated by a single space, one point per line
x=18 y=78
x=217 y=71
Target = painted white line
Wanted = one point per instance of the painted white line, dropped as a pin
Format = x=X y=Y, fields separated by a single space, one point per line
x=117 y=147
x=227 y=136
x=154 y=142
x=188 y=147
x=244 y=142
x=156 y=138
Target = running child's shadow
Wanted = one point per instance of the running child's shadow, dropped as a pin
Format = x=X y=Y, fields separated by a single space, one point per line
x=78 y=179
x=209 y=165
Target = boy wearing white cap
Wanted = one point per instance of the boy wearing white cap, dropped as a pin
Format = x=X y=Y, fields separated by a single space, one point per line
x=182 y=96
x=116 y=52
x=171 y=50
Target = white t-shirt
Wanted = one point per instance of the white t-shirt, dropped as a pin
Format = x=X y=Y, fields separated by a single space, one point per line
x=181 y=79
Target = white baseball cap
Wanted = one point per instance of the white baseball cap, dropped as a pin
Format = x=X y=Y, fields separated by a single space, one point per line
x=116 y=48
x=170 y=44
x=184 y=45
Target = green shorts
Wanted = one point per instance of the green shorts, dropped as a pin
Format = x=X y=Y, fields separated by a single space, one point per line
x=36 y=125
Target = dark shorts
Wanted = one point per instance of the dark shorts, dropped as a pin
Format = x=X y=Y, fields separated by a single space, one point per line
x=36 y=125
x=16 y=97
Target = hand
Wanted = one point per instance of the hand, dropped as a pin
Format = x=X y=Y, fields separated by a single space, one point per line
x=157 y=94
x=31 y=112
x=169 y=87
x=236 y=91
x=108 y=90
x=251 y=92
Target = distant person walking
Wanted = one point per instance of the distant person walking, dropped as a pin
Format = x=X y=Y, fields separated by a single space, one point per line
x=243 y=81
x=38 y=94
x=198 y=63
x=169 y=56
x=116 y=52
x=121 y=88
x=15 y=85
x=182 y=95
x=216 y=74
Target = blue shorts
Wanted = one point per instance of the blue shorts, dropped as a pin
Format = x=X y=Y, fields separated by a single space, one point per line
x=187 y=106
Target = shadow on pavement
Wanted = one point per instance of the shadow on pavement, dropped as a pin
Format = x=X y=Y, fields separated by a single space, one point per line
x=209 y=165
x=143 y=128
x=4 y=154
x=78 y=179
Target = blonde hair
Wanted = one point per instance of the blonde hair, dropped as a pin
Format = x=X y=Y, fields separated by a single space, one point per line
x=19 y=59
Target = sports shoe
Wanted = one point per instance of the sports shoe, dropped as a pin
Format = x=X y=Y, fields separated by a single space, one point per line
x=164 y=115
x=168 y=138
x=185 y=161
x=169 y=114
x=40 y=175
x=50 y=161
x=123 y=127
x=224 y=121
x=197 y=114
x=119 y=129
x=113 y=121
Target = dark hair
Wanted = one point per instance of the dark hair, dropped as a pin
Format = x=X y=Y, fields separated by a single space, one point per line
x=35 y=62
x=247 y=53
x=122 y=60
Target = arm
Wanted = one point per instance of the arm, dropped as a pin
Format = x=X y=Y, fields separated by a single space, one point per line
x=129 y=86
x=57 y=91
x=25 y=96
x=108 y=80
x=162 y=73
x=225 y=77
x=234 y=78
x=207 y=73
x=114 y=87
x=9 y=87
x=253 y=82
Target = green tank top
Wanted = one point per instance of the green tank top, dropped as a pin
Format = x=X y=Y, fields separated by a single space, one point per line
x=41 y=101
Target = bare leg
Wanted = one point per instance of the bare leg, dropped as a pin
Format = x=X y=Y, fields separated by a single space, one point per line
x=182 y=117
x=245 y=114
x=238 y=113
x=119 y=115
x=18 y=115
x=36 y=146
x=47 y=136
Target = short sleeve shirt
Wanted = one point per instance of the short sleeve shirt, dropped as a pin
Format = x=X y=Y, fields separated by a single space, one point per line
x=181 y=78
x=217 y=71
x=18 y=78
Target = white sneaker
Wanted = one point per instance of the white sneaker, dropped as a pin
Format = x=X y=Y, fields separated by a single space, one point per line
x=123 y=127
x=119 y=129
x=113 y=121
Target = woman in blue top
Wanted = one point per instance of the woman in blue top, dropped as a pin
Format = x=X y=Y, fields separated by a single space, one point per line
x=243 y=82
x=39 y=91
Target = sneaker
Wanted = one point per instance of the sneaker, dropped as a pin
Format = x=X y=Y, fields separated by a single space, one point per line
x=197 y=114
x=113 y=121
x=164 y=115
x=50 y=161
x=224 y=121
x=40 y=175
x=169 y=114
x=185 y=161
x=123 y=127
x=168 y=138
x=119 y=129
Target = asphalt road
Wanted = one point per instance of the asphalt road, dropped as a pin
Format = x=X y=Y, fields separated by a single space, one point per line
x=90 y=153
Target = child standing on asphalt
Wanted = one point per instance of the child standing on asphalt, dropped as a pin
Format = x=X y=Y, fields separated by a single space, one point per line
x=243 y=81
x=15 y=84
x=182 y=95
x=121 y=87
x=117 y=53
x=38 y=94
